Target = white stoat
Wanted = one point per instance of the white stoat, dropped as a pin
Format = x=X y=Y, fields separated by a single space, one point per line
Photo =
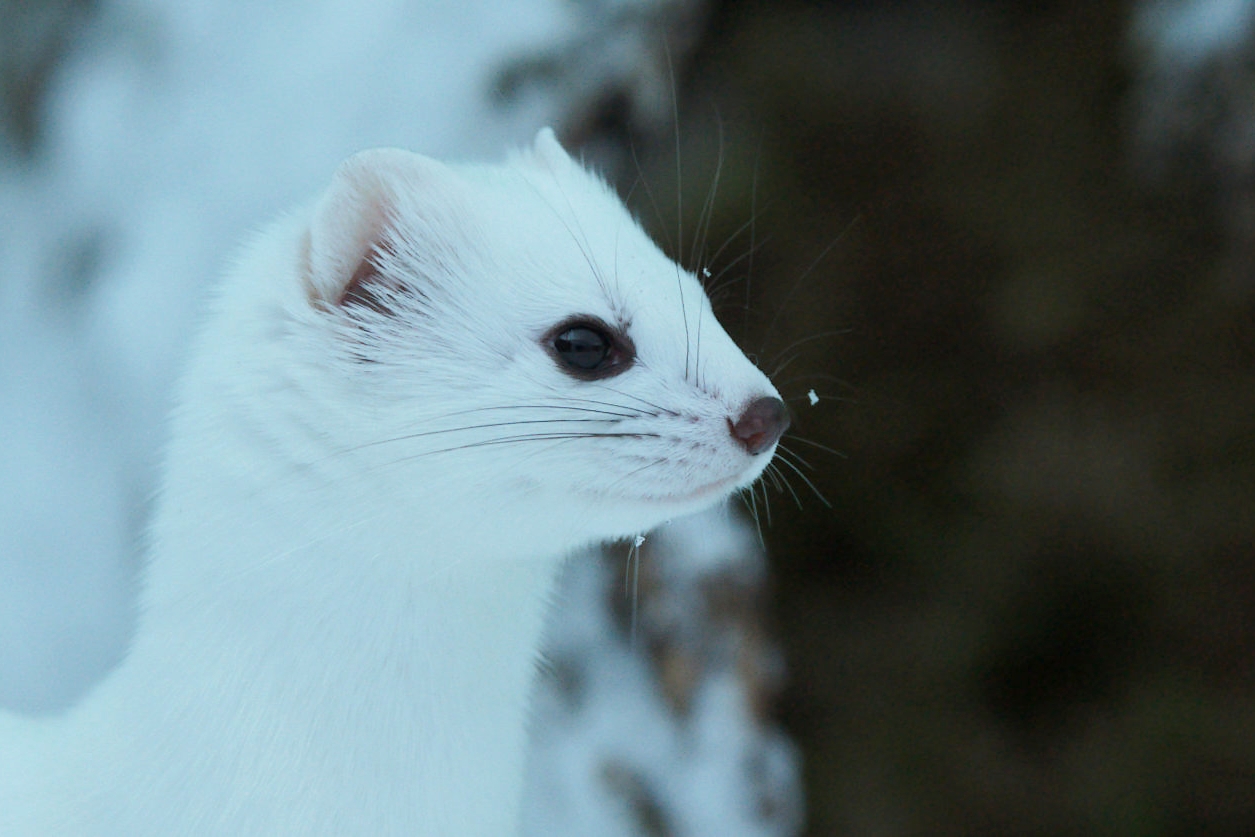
x=410 y=402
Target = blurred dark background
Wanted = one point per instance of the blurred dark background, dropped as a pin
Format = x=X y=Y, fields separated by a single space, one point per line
x=1027 y=308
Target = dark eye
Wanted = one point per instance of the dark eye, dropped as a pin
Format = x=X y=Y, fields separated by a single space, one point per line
x=590 y=349
x=582 y=347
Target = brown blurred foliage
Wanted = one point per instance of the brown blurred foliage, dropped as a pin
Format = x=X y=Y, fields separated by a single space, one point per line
x=1031 y=607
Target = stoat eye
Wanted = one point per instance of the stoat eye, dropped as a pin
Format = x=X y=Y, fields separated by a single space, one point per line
x=589 y=350
x=582 y=347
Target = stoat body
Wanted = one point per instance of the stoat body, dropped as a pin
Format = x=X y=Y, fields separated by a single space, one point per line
x=409 y=403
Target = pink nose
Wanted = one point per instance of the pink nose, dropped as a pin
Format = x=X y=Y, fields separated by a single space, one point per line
x=761 y=425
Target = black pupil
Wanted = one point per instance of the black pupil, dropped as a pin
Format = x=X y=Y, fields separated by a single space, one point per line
x=583 y=348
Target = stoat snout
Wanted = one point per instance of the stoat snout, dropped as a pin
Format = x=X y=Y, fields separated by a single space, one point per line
x=761 y=424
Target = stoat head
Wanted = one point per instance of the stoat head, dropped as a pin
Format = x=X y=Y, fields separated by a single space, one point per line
x=511 y=333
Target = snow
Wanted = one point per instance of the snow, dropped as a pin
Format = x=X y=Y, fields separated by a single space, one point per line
x=616 y=751
x=63 y=611
x=1185 y=33
x=1192 y=103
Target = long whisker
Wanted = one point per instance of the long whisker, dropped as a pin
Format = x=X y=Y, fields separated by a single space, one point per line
x=649 y=195
x=708 y=206
x=679 y=207
x=835 y=332
x=752 y=505
x=814 y=444
x=766 y=502
x=797 y=283
x=527 y=437
x=661 y=410
x=749 y=268
x=466 y=427
x=715 y=285
x=773 y=474
x=583 y=245
x=675 y=125
x=654 y=464
x=719 y=297
x=748 y=225
x=634 y=568
x=815 y=376
x=796 y=499
x=633 y=414
x=785 y=460
x=796 y=458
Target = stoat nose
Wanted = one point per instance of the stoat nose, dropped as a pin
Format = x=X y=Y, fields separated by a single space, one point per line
x=761 y=425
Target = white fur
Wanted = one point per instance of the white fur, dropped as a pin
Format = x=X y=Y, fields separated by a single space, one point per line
x=344 y=596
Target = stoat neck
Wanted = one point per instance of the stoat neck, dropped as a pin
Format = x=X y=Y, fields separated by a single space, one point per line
x=396 y=671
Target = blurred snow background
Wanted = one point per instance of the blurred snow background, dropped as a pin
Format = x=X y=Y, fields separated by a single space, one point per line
x=1194 y=110
x=143 y=138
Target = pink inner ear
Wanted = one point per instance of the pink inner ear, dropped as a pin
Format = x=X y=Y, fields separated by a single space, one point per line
x=360 y=290
x=350 y=221
x=369 y=287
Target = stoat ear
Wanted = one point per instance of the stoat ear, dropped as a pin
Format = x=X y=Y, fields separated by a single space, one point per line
x=352 y=218
x=548 y=150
